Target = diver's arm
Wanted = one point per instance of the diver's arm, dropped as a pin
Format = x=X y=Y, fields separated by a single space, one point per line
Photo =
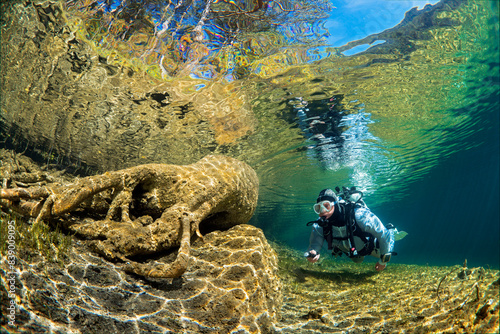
x=315 y=243
x=316 y=239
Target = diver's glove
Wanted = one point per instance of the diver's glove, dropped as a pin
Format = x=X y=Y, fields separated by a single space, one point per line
x=382 y=263
x=379 y=266
x=312 y=256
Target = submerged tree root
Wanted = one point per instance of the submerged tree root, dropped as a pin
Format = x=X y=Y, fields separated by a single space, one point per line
x=147 y=209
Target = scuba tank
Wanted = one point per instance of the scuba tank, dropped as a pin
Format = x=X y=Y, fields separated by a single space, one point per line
x=355 y=196
x=351 y=195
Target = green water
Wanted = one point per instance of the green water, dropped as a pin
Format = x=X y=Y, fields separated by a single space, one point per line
x=413 y=122
x=427 y=157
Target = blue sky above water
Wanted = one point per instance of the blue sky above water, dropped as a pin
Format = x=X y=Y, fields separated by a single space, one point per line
x=355 y=19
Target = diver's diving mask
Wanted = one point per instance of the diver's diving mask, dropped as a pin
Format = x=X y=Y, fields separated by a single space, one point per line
x=323 y=206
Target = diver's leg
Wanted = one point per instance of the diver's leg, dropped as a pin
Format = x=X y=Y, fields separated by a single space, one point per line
x=357 y=259
x=375 y=253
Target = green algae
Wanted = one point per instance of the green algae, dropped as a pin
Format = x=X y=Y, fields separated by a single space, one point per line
x=33 y=240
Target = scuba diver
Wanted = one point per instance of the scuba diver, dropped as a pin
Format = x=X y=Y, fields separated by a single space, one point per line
x=350 y=228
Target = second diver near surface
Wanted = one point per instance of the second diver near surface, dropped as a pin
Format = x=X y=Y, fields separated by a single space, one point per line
x=349 y=227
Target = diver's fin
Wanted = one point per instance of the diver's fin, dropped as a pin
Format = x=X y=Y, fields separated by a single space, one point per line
x=399 y=235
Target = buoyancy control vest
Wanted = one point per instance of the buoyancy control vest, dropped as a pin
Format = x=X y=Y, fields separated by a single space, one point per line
x=346 y=217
